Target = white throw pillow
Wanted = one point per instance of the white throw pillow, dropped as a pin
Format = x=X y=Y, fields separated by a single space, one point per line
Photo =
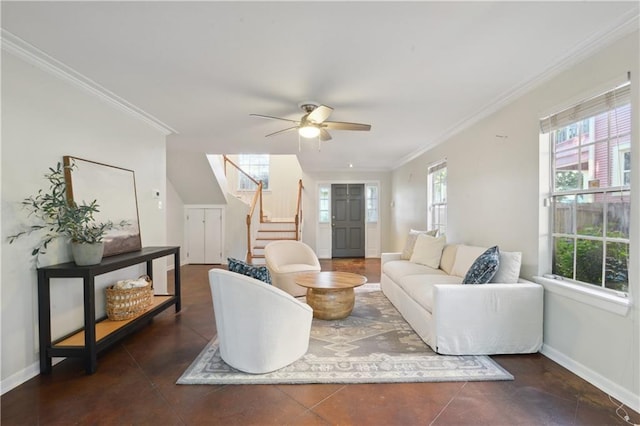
x=428 y=250
x=465 y=256
x=411 y=242
x=448 y=258
x=509 y=269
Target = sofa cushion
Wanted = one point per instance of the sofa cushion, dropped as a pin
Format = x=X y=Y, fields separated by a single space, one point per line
x=465 y=256
x=411 y=242
x=396 y=269
x=509 y=270
x=448 y=257
x=484 y=267
x=258 y=272
x=420 y=287
x=428 y=250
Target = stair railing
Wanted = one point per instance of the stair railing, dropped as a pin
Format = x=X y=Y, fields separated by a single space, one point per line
x=298 y=215
x=254 y=215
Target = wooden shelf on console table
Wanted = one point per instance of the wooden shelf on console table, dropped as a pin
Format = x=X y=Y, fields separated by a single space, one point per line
x=98 y=334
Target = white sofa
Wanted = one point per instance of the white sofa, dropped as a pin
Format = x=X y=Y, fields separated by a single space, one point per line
x=466 y=319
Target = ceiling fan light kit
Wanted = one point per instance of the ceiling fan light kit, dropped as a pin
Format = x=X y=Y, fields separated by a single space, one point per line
x=309 y=131
x=314 y=124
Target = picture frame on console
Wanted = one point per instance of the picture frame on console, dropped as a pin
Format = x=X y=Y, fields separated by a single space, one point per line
x=115 y=189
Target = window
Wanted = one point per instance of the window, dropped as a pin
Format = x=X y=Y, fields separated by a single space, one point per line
x=437 y=197
x=323 y=205
x=590 y=189
x=625 y=168
x=257 y=166
x=372 y=203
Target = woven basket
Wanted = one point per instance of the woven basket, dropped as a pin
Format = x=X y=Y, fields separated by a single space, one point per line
x=124 y=304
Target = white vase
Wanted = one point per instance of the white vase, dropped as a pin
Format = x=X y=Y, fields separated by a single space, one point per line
x=87 y=254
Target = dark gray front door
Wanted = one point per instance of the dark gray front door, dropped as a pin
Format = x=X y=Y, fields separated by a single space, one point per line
x=347 y=201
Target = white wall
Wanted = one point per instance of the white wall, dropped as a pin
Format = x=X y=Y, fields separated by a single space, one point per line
x=235 y=243
x=493 y=198
x=44 y=118
x=175 y=223
x=191 y=175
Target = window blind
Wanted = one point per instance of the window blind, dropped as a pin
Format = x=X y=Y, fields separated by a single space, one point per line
x=439 y=166
x=619 y=96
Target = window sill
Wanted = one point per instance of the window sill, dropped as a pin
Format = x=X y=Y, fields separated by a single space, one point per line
x=610 y=302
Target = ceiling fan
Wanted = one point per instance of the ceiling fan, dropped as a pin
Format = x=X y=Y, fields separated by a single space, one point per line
x=314 y=122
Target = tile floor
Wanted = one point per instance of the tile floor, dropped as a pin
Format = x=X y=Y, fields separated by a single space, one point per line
x=135 y=385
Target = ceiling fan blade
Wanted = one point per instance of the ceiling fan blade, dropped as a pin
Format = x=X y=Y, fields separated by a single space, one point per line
x=319 y=114
x=324 y=135
x=281 y=131
x=342 y=125
x=274 y=118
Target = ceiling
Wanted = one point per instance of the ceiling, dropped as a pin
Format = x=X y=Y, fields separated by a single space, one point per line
x=415 y=71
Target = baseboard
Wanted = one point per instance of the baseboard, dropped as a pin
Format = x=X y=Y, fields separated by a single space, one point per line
x=20 y=377
x=23 y=376
x=604 y=384
x=171 y=266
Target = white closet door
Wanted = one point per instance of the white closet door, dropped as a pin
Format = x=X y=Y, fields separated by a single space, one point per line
x=213 y=236
x=195 y=235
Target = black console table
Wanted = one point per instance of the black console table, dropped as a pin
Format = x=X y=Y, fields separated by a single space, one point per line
x=98 y=334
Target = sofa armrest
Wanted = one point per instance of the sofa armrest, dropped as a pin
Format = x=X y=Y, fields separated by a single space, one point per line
x=388 y=257
x=488 y=319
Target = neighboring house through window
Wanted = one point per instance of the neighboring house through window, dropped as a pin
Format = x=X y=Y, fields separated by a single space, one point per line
x=590 y=189
x=437 y=197
x=257 y=166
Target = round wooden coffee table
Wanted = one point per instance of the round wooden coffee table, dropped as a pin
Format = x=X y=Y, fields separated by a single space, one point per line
x=330 y=294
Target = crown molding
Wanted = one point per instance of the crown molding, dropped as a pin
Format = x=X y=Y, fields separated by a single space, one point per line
x=16 y=46
x=624 y=25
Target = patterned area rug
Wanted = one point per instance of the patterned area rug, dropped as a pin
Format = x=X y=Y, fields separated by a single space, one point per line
x=373 y=345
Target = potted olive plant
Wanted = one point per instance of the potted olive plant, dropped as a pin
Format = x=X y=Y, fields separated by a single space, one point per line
x=58 y=216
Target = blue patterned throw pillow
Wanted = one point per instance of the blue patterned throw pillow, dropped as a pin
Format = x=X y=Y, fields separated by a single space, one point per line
x=484 y=267
x=258 y=272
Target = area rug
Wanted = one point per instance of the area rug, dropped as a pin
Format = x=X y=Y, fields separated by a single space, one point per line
x=373 y=345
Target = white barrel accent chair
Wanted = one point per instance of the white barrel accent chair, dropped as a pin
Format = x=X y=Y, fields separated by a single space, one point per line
x=260 y=328
x=287 y=258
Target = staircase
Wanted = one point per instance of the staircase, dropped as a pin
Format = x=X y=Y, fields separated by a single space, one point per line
x=271 y=231
x=260 y=229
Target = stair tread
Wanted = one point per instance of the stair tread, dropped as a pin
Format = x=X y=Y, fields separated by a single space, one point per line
x=274 y=239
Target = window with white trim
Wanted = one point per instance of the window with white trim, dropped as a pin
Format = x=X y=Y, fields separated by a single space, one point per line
x=437 y=197
x=372 y=203
x=590 y=165
x=324 y=194
x=256 y=166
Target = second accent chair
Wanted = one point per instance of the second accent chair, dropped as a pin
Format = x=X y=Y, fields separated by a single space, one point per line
x=260 y=328
x=287 y=258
